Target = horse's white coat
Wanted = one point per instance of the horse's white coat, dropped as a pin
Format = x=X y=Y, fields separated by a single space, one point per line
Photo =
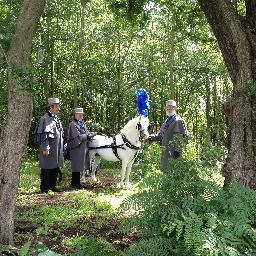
x=126 y=154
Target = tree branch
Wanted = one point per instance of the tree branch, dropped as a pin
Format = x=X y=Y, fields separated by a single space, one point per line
x=230 y=33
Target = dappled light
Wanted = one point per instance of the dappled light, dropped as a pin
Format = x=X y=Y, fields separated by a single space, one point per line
x=127 y=128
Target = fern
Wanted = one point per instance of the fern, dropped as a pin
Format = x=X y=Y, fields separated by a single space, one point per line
x=157 y=246
x=185 y=213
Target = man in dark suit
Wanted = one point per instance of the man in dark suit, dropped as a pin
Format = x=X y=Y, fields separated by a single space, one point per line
x=171 y=134
x=49 y=135
x=78 y=136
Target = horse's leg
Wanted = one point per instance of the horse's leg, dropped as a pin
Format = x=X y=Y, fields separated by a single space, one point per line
x=127 y=173
x=123 y=171
x=87 y=173
x=95 y=164
x=82 y=179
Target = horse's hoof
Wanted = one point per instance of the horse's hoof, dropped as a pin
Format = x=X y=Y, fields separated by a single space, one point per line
x=93 y=179
x=128 y=186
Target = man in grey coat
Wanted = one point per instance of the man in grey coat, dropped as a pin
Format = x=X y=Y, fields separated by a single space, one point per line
x=78 y=136
x=171 y=134
x=49 y=135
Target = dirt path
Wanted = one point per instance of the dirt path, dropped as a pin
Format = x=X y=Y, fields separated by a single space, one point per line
x=101 y=224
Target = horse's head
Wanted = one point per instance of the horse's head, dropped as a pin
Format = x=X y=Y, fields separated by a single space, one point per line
x=137 y=127
x=142 y=127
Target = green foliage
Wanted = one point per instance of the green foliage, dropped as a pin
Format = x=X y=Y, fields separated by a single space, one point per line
x=24 y=251
x=239 y=6
x=29 y=182
x=43 y=250
x=147 y=161
x=8 y=250
x=131 y=10
x=91 y=246
x=22 y=76
x=92 y=58
x=252 y=89
x=8 y=15
x=154 y=246
x=186 y=213
x=85 y=211
x=110 y=165
x=95 y=59
x=69 y=214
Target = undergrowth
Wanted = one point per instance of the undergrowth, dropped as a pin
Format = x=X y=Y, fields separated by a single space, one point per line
x=186 y=212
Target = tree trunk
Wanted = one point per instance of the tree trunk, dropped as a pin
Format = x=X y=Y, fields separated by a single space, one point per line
x=171 y=34
x=78 y=84
x=237 y=41
x=208 y=108
x=14 y=135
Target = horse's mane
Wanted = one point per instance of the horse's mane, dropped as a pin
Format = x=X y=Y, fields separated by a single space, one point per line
x=132 y=123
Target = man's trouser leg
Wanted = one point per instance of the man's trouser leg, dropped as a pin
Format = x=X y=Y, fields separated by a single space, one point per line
x=53 y=178
x=165 y=161
x=45 y=178
x=75 y=180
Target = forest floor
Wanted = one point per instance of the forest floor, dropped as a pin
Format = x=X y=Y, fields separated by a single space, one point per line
x=72 y=222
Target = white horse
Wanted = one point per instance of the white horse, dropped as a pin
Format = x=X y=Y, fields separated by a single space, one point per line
x=121 y=147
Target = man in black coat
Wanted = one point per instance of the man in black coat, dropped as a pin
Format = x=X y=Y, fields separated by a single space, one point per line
x=49 y=135
x=78 y=136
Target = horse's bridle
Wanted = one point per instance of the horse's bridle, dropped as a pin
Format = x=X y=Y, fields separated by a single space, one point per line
x=128 y=143
x=141 y=131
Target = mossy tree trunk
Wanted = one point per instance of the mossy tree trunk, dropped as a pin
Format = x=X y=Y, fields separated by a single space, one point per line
x=236 y=37
x=14 y=135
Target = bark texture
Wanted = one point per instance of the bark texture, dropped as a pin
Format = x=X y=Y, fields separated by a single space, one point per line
x=14 y=135
x=237 y=40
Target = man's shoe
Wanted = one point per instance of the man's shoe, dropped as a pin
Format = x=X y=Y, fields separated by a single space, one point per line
x=56 y=190
x=44 y=191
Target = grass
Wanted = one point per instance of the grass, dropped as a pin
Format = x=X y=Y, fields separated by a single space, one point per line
x=90 y=246
x=74 y=222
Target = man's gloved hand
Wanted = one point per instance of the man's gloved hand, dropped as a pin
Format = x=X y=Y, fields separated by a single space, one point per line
x=91 y=135
x=176 y=154
x=154 y=138
x=150 y=138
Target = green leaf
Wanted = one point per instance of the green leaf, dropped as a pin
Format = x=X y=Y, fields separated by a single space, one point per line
x=43 y=250
x=24 y=251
